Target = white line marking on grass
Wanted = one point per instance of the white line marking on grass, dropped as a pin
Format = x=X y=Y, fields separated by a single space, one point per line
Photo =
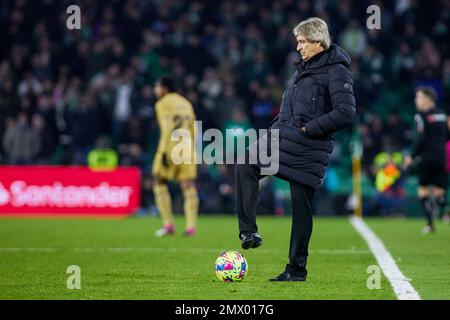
x=27 y=249
x=401 y=285
x=172 y=249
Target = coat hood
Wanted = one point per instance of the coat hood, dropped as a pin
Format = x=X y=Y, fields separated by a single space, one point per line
x=338 y=55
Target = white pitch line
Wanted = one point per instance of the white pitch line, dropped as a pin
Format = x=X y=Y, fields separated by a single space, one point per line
x=27 y=249
x=170 y=249
x=401 y=285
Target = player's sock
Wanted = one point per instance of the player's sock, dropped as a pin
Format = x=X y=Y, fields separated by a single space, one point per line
x=442 y=203
x=428 y=209
x=190 y=197
x=164 y=203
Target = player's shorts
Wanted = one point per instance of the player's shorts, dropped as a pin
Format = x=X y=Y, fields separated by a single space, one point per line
x=178 y=172
x=433 y=173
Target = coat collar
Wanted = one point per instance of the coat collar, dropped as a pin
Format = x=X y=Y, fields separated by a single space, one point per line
x=332 y=55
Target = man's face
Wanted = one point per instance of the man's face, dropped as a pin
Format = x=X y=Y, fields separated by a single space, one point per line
x=158 y=90
x=422 y=101
x=306 y=48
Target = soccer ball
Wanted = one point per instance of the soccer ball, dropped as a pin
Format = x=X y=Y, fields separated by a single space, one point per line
x=231 y=266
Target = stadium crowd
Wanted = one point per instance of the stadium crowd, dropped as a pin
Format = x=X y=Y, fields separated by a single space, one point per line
x=65 y=92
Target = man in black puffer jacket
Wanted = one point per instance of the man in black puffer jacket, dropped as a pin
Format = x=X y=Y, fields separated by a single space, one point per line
x=317 y=102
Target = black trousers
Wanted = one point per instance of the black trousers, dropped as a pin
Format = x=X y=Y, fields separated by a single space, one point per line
x=247 y=178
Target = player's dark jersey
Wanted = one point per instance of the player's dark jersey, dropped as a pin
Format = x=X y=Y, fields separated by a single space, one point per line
x=432 y=135
x=430 y=148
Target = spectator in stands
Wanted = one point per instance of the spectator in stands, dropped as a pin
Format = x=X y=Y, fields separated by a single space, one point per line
x=210 y=88
x=102 y=156
x=8 y=103
x=353 y=38
x=398 y=131
x=21 y=141
x=372 y=137
x=226 y=106
x=83 y=128
x=403 y=62
x=262 y=109
x=428 y=60
x=46 y=139
x=132 y=144
x=123 y=106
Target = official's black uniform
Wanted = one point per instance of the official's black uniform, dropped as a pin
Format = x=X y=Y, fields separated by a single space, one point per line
x=430 y=148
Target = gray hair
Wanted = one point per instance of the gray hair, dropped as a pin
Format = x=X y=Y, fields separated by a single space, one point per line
x=315 y=30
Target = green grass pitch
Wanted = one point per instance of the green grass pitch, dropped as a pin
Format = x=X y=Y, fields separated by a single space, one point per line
x=122 y=259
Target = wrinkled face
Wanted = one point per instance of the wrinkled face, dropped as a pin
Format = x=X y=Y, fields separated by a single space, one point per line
x=306 y=48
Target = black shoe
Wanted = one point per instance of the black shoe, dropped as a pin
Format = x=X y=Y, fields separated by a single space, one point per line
x=250 y=240
x=286 y=276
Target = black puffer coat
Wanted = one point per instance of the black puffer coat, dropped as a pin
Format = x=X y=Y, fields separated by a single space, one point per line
x=319 y=97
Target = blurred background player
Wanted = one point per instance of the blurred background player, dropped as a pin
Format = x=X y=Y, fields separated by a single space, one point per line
x=174 y=112
x=429 y=154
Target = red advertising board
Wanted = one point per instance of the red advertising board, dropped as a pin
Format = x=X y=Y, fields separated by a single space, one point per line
x=68 y=190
